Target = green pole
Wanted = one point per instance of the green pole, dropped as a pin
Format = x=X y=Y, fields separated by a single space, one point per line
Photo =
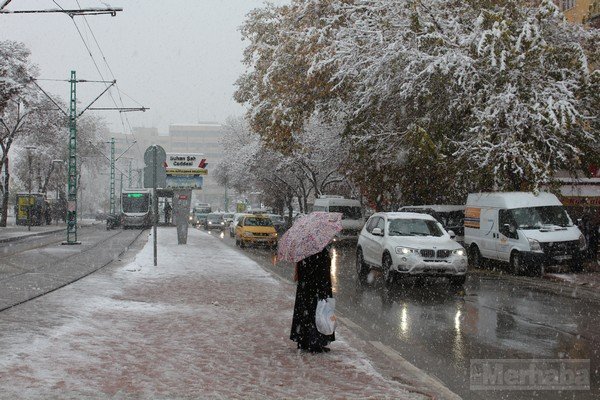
x=72 y=178
x=112 y=175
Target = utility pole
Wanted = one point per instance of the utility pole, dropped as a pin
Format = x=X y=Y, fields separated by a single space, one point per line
x=72 y=161
x=72 y=166
x=112 y=176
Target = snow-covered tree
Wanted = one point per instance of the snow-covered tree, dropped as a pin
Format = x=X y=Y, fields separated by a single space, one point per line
x=476 y=94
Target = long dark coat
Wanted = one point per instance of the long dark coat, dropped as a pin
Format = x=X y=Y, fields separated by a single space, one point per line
x=314 y=283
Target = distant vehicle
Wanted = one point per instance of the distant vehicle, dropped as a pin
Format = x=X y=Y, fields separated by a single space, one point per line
x=227 y=217
x=352 y=217
x=278 y=222
x=233 y=224
x=199 y=213
x=450 y=216
x=136 y=208
x=214 y=221
x=404 y=244
x=527 y=231
x=257 y=230
x=34 y=206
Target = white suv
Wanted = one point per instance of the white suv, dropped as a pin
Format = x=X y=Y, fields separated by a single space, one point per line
x=409 y=244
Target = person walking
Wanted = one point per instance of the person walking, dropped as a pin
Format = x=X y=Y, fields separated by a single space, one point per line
x=313 y=275
x=167 y=210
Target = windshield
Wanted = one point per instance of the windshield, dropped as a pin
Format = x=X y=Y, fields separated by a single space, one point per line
x=202 y=210
x=135 y=202
x=348 y=212
x=214 y=218
x=536 y=217
x=414 y=227
x=258 y=222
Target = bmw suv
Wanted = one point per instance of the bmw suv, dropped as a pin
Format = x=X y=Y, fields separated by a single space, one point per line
x=403 y=244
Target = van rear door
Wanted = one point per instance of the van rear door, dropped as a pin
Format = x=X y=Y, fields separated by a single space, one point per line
x=489 y=233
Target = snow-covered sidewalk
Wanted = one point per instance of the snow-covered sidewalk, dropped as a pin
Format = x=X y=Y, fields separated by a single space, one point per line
x=207 y=322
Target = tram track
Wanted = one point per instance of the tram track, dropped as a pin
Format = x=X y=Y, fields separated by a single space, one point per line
x=68 y=279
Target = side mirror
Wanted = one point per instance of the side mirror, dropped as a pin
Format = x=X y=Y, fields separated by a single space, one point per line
x=452 y=234
x=377 y=232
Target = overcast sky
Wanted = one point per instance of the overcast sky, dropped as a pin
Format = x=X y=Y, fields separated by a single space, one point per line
x=180 y=58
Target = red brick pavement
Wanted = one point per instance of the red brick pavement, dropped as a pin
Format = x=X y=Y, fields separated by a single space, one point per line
x=206 y=323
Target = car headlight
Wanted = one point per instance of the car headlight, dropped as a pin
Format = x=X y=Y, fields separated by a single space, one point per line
x=191 y=218
x=248 y=234
x=222 y=223
x=535 y=245
x=274 y=234
x=582 y=243
x=459 y=252
x=405 y=250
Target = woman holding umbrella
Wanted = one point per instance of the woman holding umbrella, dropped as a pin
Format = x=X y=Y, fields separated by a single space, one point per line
x=306 y=244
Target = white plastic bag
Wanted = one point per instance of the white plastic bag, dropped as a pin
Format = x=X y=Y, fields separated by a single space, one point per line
x=325 y=316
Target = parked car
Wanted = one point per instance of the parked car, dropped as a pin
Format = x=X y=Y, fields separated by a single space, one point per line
x=233 y=224
x=255 y=229
x=450 y=216
x=403 y=244
x=214 y=221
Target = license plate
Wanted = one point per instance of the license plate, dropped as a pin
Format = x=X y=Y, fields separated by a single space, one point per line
x=563 y=258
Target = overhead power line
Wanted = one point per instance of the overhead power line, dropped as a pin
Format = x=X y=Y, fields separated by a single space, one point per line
x=70 y=12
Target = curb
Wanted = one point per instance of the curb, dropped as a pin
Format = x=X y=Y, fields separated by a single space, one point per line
x=15 y=238
x=547 y=285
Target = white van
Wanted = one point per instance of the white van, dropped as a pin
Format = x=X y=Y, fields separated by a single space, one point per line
x=352 y=217
x=525 y=230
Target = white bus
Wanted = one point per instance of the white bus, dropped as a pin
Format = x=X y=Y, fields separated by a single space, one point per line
x=352 y=215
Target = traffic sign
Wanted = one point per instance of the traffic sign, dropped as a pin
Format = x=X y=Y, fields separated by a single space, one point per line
x=161 y=155
x=150 y=168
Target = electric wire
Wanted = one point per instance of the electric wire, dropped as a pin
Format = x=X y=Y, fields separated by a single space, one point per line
x=99 y=71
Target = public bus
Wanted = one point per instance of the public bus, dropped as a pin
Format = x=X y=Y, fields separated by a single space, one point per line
x=136 y=208
x=199 y=213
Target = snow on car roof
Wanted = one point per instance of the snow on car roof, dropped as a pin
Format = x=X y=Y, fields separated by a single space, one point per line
x=406 y=215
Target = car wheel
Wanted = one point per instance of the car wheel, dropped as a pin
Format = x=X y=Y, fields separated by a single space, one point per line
x=362 y=269
x=475 y=258
x=386 y=264
x=516 y=263
x=457 y=280
x=237 y=242
x=242 y=244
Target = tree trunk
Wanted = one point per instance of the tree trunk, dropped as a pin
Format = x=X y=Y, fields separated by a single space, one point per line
x=5 y=193
x=47 y=179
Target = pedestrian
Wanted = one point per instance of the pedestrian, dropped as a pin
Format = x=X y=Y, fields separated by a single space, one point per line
x=167 y=210
x=47 y=213
x=313 y=275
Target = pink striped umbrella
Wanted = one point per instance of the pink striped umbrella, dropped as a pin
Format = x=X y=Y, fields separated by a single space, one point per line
x=309 y=235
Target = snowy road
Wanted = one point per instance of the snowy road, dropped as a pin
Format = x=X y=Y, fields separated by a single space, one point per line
x=440 y=330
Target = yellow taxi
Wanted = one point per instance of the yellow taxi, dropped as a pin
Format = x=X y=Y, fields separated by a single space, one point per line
x=255 y=229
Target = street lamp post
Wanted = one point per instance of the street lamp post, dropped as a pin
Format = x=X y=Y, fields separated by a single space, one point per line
x=29 y=149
